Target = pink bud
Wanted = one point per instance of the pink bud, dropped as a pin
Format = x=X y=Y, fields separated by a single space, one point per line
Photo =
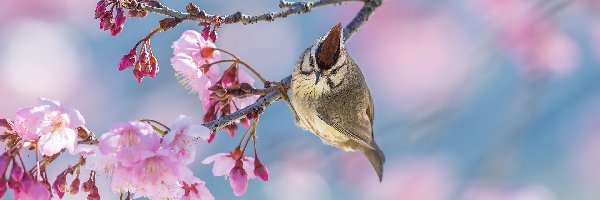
x=107 y=21
x=211 y=112
x=231 y=129
x=260 y=170
x=59 y=185
x=205 y=32
x=3 y=187
x=153 y=66
x=137 y=74
x=230 y=76
x=213 y=35
x=100 y=8
x=245 y=122
x=88 y=185
x=6 y=123
x=238 y=179
x=16 y=173
x=74 y=189
x=127 y=61
x=211 y=137
x=120 y=17
x=115 y=30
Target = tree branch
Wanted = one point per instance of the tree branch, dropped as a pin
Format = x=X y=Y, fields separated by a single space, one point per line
x=195 y=14
x=361 y=17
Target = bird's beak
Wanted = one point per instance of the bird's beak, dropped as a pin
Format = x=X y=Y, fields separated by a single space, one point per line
x=318 y=76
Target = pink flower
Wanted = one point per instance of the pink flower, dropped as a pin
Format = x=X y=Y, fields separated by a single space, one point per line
x=53 y=125
x=194 y=77
x=196 y=190
x=32 y=190
x=129 y=141
x=191 y=43
x=191 y=52
x=122 y=179
x=157 y=176
x=239 y=170
x=183 y=137
x=161 y=166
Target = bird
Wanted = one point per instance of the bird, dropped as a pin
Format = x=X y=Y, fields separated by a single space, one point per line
x=331 y=99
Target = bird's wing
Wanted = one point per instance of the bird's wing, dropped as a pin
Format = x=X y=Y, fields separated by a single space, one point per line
x=359 y=130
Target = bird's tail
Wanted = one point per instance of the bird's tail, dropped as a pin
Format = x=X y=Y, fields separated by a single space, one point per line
x=377 y=159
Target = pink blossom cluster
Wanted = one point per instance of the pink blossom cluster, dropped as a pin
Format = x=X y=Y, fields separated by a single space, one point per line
x=25 y=186
x=145 y=65
x=239 y=168
x=108 y=19
x=143 y=163
x=49 y=129
x=194 y=55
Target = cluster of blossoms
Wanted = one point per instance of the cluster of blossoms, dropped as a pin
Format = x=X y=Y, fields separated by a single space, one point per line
x=239 y=168
x=108 y=19
x=144 y=158
x=146 y=65
x=142 y=163
x=48 y=129
x=194 y=59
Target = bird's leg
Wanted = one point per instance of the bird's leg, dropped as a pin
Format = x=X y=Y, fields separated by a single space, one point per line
x=284 y=93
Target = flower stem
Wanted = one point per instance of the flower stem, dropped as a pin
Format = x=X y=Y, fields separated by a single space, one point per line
x=156 y=122
x=252 y=135
x=262 y=79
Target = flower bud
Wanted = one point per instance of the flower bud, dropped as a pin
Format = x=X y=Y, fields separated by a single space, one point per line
x=16 y=173
x=205 y=32
x=60 y=184
x=6 y=123
x=153 y=66
x=127 y=61
x=260 y=170
x=74 y=188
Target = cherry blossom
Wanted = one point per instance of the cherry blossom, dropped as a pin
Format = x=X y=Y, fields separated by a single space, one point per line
x=195 y=189
x=53 y=125
x=129 y=141
x=240 y=170
x=158 y=175
x=191 y=53
x=183 y=137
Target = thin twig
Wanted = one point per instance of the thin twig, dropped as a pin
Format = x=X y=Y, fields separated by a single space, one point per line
x=262 y=103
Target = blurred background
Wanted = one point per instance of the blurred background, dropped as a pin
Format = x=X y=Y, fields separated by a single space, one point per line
x=474 y=99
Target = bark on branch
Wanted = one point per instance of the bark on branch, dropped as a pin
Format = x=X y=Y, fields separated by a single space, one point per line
x=288 y=8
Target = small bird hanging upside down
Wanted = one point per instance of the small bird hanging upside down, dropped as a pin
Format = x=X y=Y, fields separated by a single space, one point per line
x=331 y=98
